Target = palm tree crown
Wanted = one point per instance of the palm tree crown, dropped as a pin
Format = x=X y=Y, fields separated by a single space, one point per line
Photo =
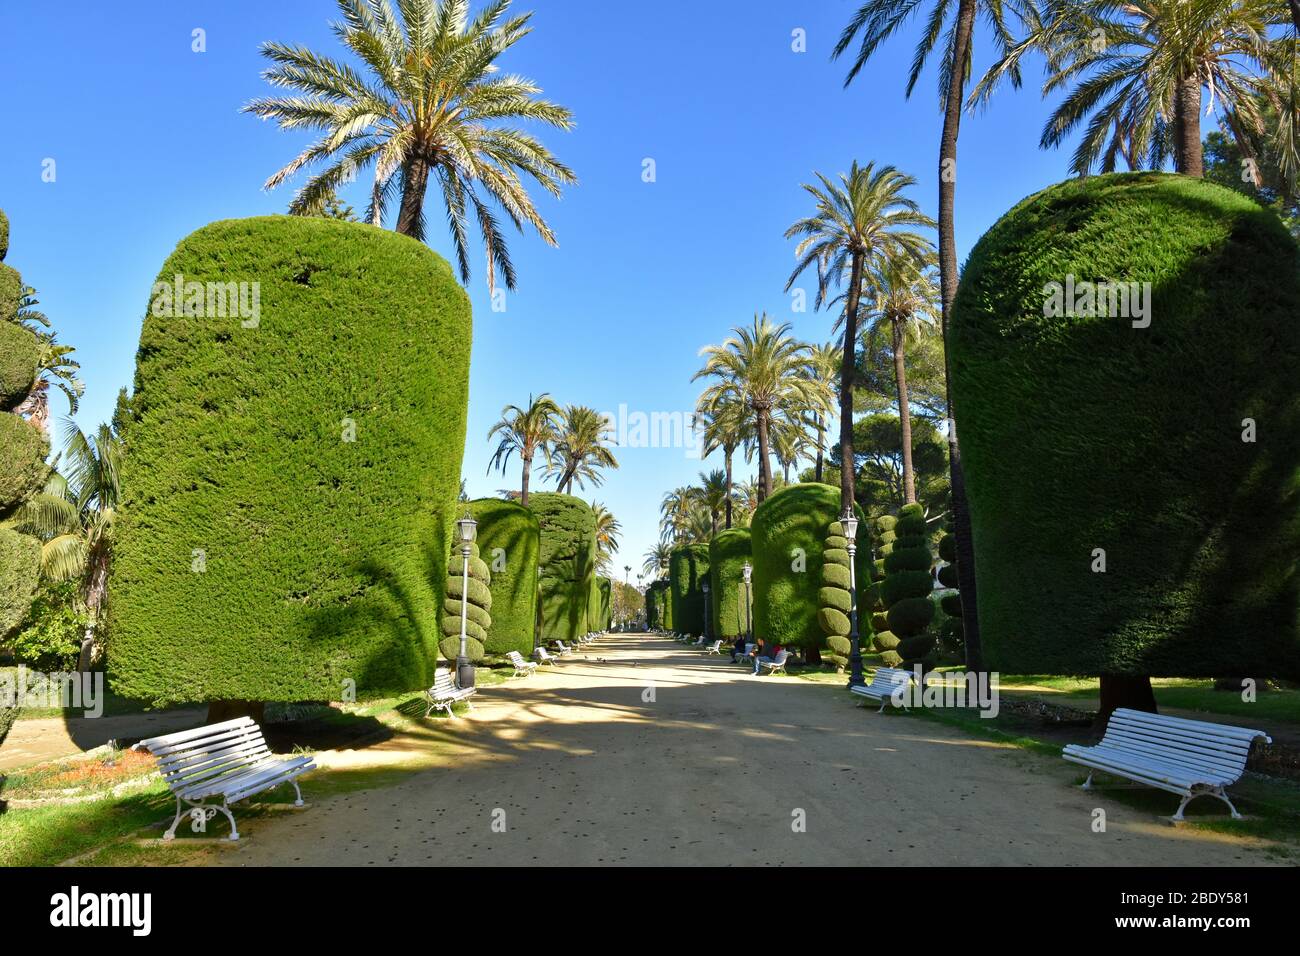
x=580 y=451
x=529 y=431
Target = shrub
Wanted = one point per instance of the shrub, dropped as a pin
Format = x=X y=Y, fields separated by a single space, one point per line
x=907 y=586
x=1144 y=457
x=728 y=554
x=20 y=351
x=606 y=591
x=835 y=597
x=477 y=610
x=263 y=554
x=567 y=561
x=883 y=639
x=657 y=604
x=11 y=292
x=509 y=540
x=789 y=538
x=50 y=638
x=688 y=569
x=20 y=572
x=4 y=235
x=951 y=636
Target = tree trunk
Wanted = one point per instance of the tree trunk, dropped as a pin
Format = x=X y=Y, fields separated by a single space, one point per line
x=1119 y=690
x=821 y=443
x=847 y=369
x=1295 y=14
x=1187 y=128
x=727 y=458
x=961 y=523
x=904 y=414
x=220 y=710
x=523 y=491
x=416 y=181
x=764 y=465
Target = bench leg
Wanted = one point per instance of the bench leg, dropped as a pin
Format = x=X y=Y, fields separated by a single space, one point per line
x=883 y=702
x=225 y=808
x=1087 y=784
x=298 y=791
x=1216 y=792
x=170 y=833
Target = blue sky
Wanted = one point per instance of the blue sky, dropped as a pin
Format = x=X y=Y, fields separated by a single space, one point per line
x=149 y=144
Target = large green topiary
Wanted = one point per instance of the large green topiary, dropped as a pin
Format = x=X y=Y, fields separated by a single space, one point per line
x=477 y=610
x=4 y=235
x=952 y=639
x=728 y=554
x=688 y=569
x=291 y=485
x=1083 y=434
x=11 y=292
x=20 y=563
x=656 y=605
x=789 y=542
x=20 y=351
x=509 y=540
x=567 y=561
x=23 y=471
x=883 y=640
x=907 y=586
x=606 y=593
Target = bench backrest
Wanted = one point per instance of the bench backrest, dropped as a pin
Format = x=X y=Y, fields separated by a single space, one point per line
x=1196 y=743
x=891 y=676
x=442 y=682
x=781 y=657
x=541 y=654
x=514 y=657
x=206 y=753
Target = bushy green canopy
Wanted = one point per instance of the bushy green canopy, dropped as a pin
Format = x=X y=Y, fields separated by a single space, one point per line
x=20 y=351
x=509 y=540
x=789 y=537
x=1083 y=434
x=567 y=561
x=728 y=554
x=290 y=487
x=688 y=569
x=20 y=563
x=656 y=603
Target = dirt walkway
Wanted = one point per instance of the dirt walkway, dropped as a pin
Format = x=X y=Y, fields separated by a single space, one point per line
x=578 y=766
x=48 y=738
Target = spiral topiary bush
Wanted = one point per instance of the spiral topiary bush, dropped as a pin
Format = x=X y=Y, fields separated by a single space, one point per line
x=835 y=616
x=883 y=640
x=951 y=636
x=477 y=609
x=509 y=540
x=729 y=552
x=908 y=585
x=567 y=563
x=688 y=569
x=285 y=519
x=1174 y=438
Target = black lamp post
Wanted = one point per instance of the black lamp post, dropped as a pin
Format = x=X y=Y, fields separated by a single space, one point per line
x=850 y=524
x=464 y=669
x=705 y=588
x=747 y=572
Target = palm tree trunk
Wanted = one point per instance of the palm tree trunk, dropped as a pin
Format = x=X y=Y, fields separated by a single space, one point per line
x=764 y=466
x=963 y=30
x=847 y=370
x=1187 y=128
x=727 y=459
x=416 y=181
x=523 y=490
x=821 y=443
x=904 y=414
x=1295 y=14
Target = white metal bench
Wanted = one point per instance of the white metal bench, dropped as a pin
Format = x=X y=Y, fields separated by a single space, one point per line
x=1193 y=758
x=522 y=667
x=776 y=665
x=885 y=687
x=444 y=693
x=543 y=657
x=744 y=658
x=714 y=648
x=565 y=649
x=229 y=760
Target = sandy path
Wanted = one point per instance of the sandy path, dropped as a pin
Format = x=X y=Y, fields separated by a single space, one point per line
x=583 y=770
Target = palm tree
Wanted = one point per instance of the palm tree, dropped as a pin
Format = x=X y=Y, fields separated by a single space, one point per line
x=656 y=559
x=747 y=493
x=902 y=303
x=761 y=368
x=952 y=24
x=674 y=512
x=580 y=449
x=714 y=493
x=74 y=517
x=608 y=531
x=859 y=220
x=430 y=105
x=789 y=444
x=824 y=363
x=528 y=431
x=54 y=366
x=726 y=427
x=1137 y=68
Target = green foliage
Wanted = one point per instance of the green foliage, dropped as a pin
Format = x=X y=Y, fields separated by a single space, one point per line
x=4 y=235
x=728 y=554
x=11 y=292
x=905 y=591
x=606 y=609
x=883 y=639
x=656 y=604
x=509 y=539
x=1145 y=456
x=50 y=638
x=688 y=569
x=789 y=537
x=952 y=640
x=477 y=611
x=20 y=571
x=567 y=560
x=23 y=449
x=262 y=552
x=20 y=353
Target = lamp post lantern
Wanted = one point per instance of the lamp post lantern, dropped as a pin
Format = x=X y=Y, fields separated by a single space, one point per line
x=747 y=573
x=705 y=588
x=850 y=524
x=464 y=669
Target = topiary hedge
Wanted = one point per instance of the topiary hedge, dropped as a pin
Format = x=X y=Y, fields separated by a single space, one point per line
x=606 y=591
x=836 y=614
x=509 y=540
x=567 y=563
x=907 y=587
x=951 y=636
x=728 y=554
x=20 y=351
x=688 y=569
x=883 y=640
x=789 y=540
x=656 y=604
x=477 y=610
x=20 y=573
x=288 y=499
x=1083 y=432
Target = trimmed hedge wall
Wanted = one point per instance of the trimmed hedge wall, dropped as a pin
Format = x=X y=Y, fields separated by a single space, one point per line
x=656 y=604
x=567 y=561
x=728 y=553
x=509 y=540
x=289 y=497
x=789 y=539
x=688 y=569
x=1085 y=432
x=477 y=611
x=606 y=593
